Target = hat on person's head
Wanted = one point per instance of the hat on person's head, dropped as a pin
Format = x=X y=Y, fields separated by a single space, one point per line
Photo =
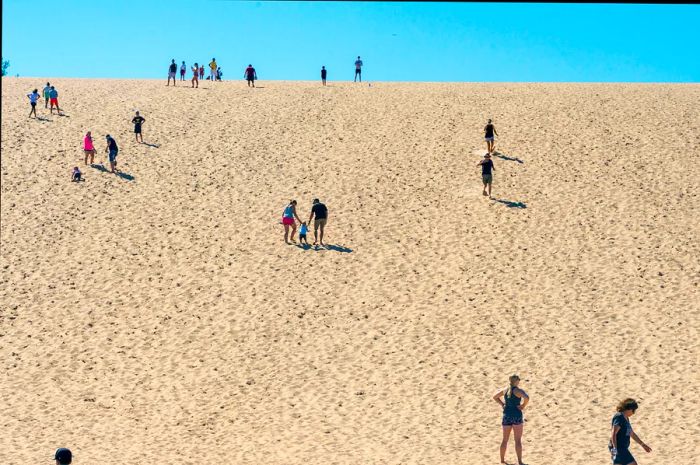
x=488 y=155
x=316 y=201
x=63 y=456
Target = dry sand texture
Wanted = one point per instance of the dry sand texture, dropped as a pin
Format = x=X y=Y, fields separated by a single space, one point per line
x=161 y=318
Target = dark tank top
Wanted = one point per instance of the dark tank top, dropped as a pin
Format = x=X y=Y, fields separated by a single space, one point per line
x=512 y=402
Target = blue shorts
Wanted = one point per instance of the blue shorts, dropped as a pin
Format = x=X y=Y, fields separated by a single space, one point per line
x=488 y=139
x=511 y=421
x=113 y=155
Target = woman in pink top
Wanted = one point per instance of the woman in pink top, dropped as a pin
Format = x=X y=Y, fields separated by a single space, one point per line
x=89 y=148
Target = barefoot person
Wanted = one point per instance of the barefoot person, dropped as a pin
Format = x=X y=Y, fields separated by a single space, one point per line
x=486 y=175
x=183 y=69
x=172 y=69
x=201 y=72
x=358 y=69
x=212 y=69
x=489 y=131
x=320 y=211
x=46 y=92
x=138 y=121
x=622 y=432
x=53 y=100
x=89 y=148
x=113 y=152
x=290 y=213
x=33 y=98
x=195 y=75
x=250 y=75
x=512 y=416
x=324 y=73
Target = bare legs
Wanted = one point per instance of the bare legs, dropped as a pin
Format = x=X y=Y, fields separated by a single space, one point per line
x=33 y=110
x=487 y=185
x=286 y=232
x=137 y=137
x=317 y=238
x=518 y=435
x=489 y=146
x=91 y=154
x=195 y=81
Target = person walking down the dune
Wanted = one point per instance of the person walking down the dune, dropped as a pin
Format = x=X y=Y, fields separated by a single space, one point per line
x=489 y=131
x=358 y=69
x=622 y=432
x=138 y=121
x=113 y=152
x=212 y=69
x=250 y=75
x=33 y=99
x=288 y=216
x=512 y=416
x=324 y=73
x=53 y=100
x=46 y=92
x=320 y=211
x=172 y=69
x=195 y=75
x=183 y=70
x=486 y=172
x=89 y=148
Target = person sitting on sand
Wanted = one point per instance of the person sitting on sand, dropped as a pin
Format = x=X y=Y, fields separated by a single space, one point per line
x=53 y=100
x=622 y=432
x=290 y=212
x=303 y=229
x=321 y=212
x=46 y=92
x=172 y=69
x=489 y=131
x=512 y=416
x=138 y=121
x=89 y=148
x=63 y=456
x=33 y=98
x=250 y=75
x=76 y=175
x=486 y=176
x=113 y=152
x=195 y=75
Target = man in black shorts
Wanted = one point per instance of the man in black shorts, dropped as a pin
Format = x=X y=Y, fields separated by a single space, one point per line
x=324 y=73
x=358 y=69
x=138 y=121
x=321 y=212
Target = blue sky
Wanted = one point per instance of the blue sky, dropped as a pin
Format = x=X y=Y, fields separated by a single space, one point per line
x=397 y=41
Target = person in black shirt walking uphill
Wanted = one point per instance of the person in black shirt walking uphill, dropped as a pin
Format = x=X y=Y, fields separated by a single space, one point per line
x=489 y=131
x=324 y=73
x=486 y=168
x=172 y=70
x=321 y=212
x=512 y=416
x=622 y=432
x=138 y=121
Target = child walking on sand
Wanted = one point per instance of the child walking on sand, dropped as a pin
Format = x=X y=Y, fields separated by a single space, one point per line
x=302 y=233
x=89 y=148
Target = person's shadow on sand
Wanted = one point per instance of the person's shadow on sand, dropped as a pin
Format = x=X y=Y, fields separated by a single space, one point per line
x=506 y=157
x=44 y=119
x=335 y=248
x=148 y=144
x=510 y=203
x=121 y=174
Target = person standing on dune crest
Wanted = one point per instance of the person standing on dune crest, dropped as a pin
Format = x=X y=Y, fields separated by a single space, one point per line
x=250 y=75
x=358 y=69
x=172 y=69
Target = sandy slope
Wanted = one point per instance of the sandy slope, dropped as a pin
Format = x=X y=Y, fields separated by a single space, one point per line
x=163 y=319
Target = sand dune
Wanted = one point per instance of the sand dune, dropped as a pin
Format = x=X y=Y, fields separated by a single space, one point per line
x=159 y=316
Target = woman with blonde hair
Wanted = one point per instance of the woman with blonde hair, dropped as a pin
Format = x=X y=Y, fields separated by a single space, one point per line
x=622 y=432
x=290 y=213
x=512 y=416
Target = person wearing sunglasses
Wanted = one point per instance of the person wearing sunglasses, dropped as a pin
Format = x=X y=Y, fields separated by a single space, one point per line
x=622 y=432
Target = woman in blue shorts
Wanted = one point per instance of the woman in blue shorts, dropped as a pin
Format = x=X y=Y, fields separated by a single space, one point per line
x=512 y=416
x=619 y=445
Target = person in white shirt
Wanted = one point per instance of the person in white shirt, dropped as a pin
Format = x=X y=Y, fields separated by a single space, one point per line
x=358 y=69
x=33 y=98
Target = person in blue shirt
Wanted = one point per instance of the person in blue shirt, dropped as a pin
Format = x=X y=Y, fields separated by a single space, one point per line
x=53 y=100
x=33 y=98
x=512 y=416
x=622 y=432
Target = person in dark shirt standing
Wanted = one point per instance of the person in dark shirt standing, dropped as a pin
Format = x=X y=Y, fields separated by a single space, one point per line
x=486 y=175
x=489 y=131
x=358 y=69
x=622 y=432
x=113 y=152
x=171 y=72
x=512 y=419
x=138 y=121
x=250 y=75
x=320 y=211
x=324 y=73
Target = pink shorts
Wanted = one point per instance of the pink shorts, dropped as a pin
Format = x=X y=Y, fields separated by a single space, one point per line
x=287 y=220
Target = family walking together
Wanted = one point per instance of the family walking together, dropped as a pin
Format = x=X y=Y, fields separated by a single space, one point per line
x=290 y=217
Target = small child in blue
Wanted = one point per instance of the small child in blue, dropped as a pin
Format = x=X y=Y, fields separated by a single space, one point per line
x=302 y=233
x=76 y=176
